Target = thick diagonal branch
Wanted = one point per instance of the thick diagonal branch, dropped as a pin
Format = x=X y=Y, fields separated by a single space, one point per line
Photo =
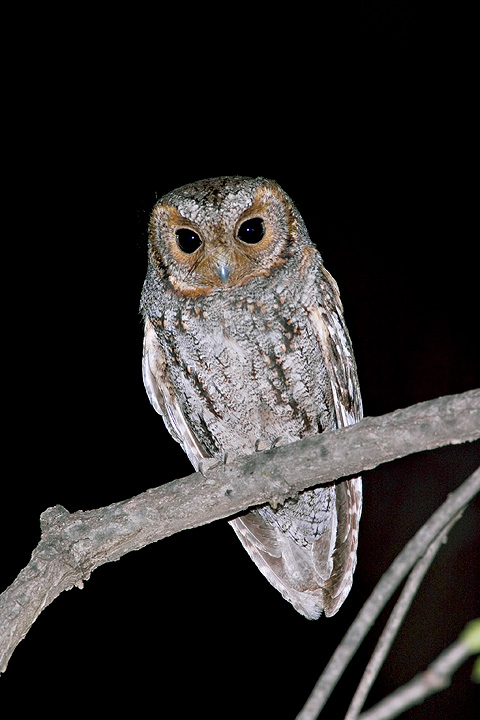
x=73 y=545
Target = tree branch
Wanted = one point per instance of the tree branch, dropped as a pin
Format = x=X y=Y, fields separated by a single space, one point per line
x=436 y=677
x=395 y=621
x=384 y=590
x=73 y=545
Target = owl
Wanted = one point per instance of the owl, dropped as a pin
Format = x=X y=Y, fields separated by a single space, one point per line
x=245 y=348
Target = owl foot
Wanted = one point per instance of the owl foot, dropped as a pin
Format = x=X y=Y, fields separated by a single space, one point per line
x=261 y=444
x=207 y=464
x=268 y=445
x=276 y=442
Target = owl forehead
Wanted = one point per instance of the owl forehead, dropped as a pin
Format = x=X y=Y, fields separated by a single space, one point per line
x=218 y=201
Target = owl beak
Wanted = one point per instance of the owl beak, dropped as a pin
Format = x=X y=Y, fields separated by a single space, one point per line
x=223 y=271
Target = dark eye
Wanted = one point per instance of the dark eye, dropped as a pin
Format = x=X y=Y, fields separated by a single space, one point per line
x=187 y=240
x=251 y=231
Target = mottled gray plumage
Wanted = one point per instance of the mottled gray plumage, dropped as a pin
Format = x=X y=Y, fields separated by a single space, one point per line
x=245 y=345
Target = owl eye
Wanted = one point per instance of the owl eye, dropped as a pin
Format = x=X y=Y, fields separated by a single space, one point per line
x=251 y=231
x=187 y=240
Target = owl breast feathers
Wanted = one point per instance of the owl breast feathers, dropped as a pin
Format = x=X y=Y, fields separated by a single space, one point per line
x=245 y=345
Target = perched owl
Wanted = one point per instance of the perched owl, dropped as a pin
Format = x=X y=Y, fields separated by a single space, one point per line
x=246 y=347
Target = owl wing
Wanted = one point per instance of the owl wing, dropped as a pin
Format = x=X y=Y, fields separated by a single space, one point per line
x=162 y=395
x=336 y=347
x=326 y=317
x=317 y=576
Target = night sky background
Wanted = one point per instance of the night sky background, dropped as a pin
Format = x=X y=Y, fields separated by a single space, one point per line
x=365 y=119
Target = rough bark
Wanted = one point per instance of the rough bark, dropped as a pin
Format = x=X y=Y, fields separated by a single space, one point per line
x=73 y=545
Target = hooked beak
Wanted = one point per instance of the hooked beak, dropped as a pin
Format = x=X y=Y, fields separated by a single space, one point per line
x=223 y=271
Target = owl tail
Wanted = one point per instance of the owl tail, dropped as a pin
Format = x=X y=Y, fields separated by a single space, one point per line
x=315 y=577
x=272 y=559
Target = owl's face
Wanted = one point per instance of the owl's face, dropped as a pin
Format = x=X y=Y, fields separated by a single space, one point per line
x=220 y=233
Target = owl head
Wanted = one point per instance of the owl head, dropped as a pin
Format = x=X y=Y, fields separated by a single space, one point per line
x=220 y=233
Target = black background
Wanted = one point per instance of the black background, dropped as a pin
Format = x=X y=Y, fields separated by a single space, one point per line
x=364 y=117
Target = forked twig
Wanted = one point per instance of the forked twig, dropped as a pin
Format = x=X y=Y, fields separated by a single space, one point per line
x=395 y=621
x=436 y=677
x=384 y=590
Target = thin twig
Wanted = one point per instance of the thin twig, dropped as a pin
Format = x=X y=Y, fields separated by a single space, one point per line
x=398 y=570
x=436 y=677
x=395 y=621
